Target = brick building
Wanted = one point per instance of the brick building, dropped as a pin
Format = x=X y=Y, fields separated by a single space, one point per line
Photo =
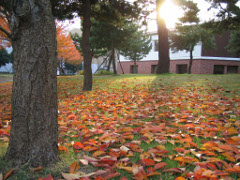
x=218 y=61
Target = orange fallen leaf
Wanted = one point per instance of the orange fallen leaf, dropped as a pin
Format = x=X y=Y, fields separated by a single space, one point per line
x=180 y=178
x=74 y=167
x=8 y=174
x=37 y=169
x=98 y=153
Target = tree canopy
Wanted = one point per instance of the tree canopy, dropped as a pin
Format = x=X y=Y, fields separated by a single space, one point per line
x=188 y=33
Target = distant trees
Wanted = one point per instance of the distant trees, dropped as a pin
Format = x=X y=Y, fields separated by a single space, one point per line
x=234 y=43
x=188 y=33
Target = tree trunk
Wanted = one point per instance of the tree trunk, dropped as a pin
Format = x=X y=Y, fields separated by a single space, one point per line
x=109 y=63
x=135 y=66
x=114 y=61
x=34 y=128
x=163 y=45
x=87 y=84
x=190 y=63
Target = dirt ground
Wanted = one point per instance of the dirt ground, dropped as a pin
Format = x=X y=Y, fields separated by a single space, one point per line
x=4 y=79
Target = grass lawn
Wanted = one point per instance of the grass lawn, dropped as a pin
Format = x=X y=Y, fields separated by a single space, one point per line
x=170 y=127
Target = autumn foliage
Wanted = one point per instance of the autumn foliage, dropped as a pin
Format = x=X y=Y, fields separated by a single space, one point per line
x=146 y=128
x=4 y=39
x=65 y=47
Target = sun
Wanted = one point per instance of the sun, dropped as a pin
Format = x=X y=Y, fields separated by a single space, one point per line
x=170 y=12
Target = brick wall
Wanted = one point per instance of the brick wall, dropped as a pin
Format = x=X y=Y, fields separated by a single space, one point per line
x=198 y=66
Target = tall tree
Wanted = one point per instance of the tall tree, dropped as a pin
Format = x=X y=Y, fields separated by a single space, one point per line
x=34 y=130
x=163 y=45
x=188 y=33
x=137 y=45
x=87 y=54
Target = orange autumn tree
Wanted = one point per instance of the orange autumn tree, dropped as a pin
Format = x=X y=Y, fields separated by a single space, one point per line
x=67 y=51
x=5 y=33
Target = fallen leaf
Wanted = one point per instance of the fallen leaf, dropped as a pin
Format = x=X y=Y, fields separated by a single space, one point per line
x=74 y=167
x=8 y=174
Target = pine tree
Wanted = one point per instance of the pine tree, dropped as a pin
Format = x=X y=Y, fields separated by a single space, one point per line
x=137 y=44
x=189 y=33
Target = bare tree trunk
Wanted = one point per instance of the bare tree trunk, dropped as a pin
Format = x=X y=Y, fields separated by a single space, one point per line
x=191 y=61
x=135 y=66
x=114 y=61
x=163 y=45
x=34 y=128
x=87 y=84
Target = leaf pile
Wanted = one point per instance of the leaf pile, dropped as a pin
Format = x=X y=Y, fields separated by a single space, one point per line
x=137 y=130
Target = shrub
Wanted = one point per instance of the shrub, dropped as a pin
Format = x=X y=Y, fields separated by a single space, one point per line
x=104 y=72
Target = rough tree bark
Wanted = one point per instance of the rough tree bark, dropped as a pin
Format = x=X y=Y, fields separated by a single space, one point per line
x=87 y=83
x=34 y=128
x=163 y=45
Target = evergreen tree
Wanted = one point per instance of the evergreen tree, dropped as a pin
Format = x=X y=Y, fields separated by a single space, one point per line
x=4 y=57
x=137 y=45
x=234 y=43
x=189 y=33
x=227 y=17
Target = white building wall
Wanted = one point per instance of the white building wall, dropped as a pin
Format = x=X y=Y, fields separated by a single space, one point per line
x=153 y=55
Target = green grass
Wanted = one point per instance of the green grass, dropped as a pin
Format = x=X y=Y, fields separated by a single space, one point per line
x=170 y=86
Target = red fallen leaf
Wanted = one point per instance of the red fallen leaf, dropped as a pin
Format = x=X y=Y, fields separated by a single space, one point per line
x=74 y=167
x=148 y=162
x=98 y=153
x=49 y=177
x=123 y=178
x=62 y=148
x=153 y=174
x=78 y=145
x=174 y=170
x=179 y=149
x=85 y=178
x=158 y=128
x=211 y=166
x=99 y=178
x=112 y=175
x=135 y=147
x=110 y=162
x=160 y=165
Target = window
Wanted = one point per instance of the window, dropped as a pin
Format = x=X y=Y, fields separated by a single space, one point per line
x=153 y=69
x=218 y=69
x=132 y=69
x=181 y=68
x=156 y=45
x=232 y=69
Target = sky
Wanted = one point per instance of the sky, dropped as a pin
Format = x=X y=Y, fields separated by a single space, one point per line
x=171 y=13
